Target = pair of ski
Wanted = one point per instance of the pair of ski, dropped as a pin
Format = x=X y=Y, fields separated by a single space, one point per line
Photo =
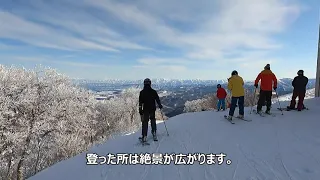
x=231 y=121
x=288 y=109
x=146 y=143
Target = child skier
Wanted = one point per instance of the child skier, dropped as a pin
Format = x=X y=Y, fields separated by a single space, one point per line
x=221 y=95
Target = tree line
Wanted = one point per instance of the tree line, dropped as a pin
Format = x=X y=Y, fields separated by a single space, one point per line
x=45 y=118
x=210 y=101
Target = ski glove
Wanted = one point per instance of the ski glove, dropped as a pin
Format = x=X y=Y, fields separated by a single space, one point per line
x=256 y=85
x=140 y=111
x=160 y=106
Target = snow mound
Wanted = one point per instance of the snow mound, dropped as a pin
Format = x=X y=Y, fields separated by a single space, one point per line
x=281 y=147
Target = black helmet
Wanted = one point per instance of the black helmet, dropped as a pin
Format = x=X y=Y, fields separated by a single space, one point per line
x=218 y=85
x=300 y=72
x=267 y=67
x=234 y=73
x=147 y=81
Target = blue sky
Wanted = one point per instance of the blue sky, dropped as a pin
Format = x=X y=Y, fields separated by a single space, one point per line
x=184 y=39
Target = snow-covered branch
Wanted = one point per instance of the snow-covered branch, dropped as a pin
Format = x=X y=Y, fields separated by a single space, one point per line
x=42 y=117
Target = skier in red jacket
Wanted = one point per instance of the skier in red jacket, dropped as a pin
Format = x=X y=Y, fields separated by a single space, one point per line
x=221 y=95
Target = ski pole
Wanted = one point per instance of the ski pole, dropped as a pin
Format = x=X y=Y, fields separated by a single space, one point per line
x=254 y=97
x=279 y=102
x=164 y=121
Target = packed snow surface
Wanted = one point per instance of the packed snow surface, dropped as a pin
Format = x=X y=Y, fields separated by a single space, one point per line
x=284 y=147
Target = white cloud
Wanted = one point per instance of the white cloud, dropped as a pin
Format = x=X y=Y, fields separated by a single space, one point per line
x=75 y=19
x=42 y=36
x=163 y=68
x=217 y=26
x=49 y=60
x=263 y=16
x=159 y=61
x=4 y=46
x=62 y=25
x=223 y=33
x=174 y=68
x=234 y=23
x=153 y=28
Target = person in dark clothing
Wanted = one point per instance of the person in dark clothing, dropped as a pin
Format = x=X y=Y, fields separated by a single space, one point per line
x=147 y=107
x=299 y=84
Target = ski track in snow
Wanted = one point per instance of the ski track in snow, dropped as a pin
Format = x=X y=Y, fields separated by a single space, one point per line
x=235 y=171
x=249 y=161
x=280 y=154
x=212 y=176
x=267 y=148
x=146 y=172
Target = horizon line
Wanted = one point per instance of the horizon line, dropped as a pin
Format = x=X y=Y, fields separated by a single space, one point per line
x=168 y=79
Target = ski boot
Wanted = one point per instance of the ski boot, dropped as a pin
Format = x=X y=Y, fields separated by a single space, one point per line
x=229 y=118
x=154 y=134
x=289 y=108
x=259 y=112
x=240 y=117
x=143 y=139
x=268 y=112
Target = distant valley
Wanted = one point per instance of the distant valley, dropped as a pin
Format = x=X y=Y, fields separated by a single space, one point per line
x=174 y=93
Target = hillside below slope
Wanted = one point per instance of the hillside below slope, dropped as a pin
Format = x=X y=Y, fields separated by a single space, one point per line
x=309 y=95
x=269 y=148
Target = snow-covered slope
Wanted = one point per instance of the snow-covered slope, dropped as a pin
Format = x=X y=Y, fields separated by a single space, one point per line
x=309 y=94
x=270 y=148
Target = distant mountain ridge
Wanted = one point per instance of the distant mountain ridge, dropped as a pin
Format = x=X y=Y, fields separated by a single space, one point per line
x=171 y=81
x=154 y=81
x=177 y=92
x=284 y=84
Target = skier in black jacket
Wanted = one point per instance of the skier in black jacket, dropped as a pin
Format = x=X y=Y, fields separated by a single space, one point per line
x=147 y=108
x=299 y=84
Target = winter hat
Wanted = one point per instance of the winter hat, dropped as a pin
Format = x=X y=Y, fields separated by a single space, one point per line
x=267 y=67
x=234 y=73
x=147 y=81
x=300 y=72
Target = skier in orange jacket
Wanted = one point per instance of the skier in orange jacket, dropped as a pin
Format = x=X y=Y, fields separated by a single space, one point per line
x=268 y=78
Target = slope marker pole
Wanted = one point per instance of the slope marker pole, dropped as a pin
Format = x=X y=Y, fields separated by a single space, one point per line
x=279 y=102
x=254 y=97
x=164 y=121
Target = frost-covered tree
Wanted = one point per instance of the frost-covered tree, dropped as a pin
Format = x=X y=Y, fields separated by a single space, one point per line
x=45 y=118
x=118 y=115
x=160 y=115
x=195 y=105
x=42 y=116
x=210 y=102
